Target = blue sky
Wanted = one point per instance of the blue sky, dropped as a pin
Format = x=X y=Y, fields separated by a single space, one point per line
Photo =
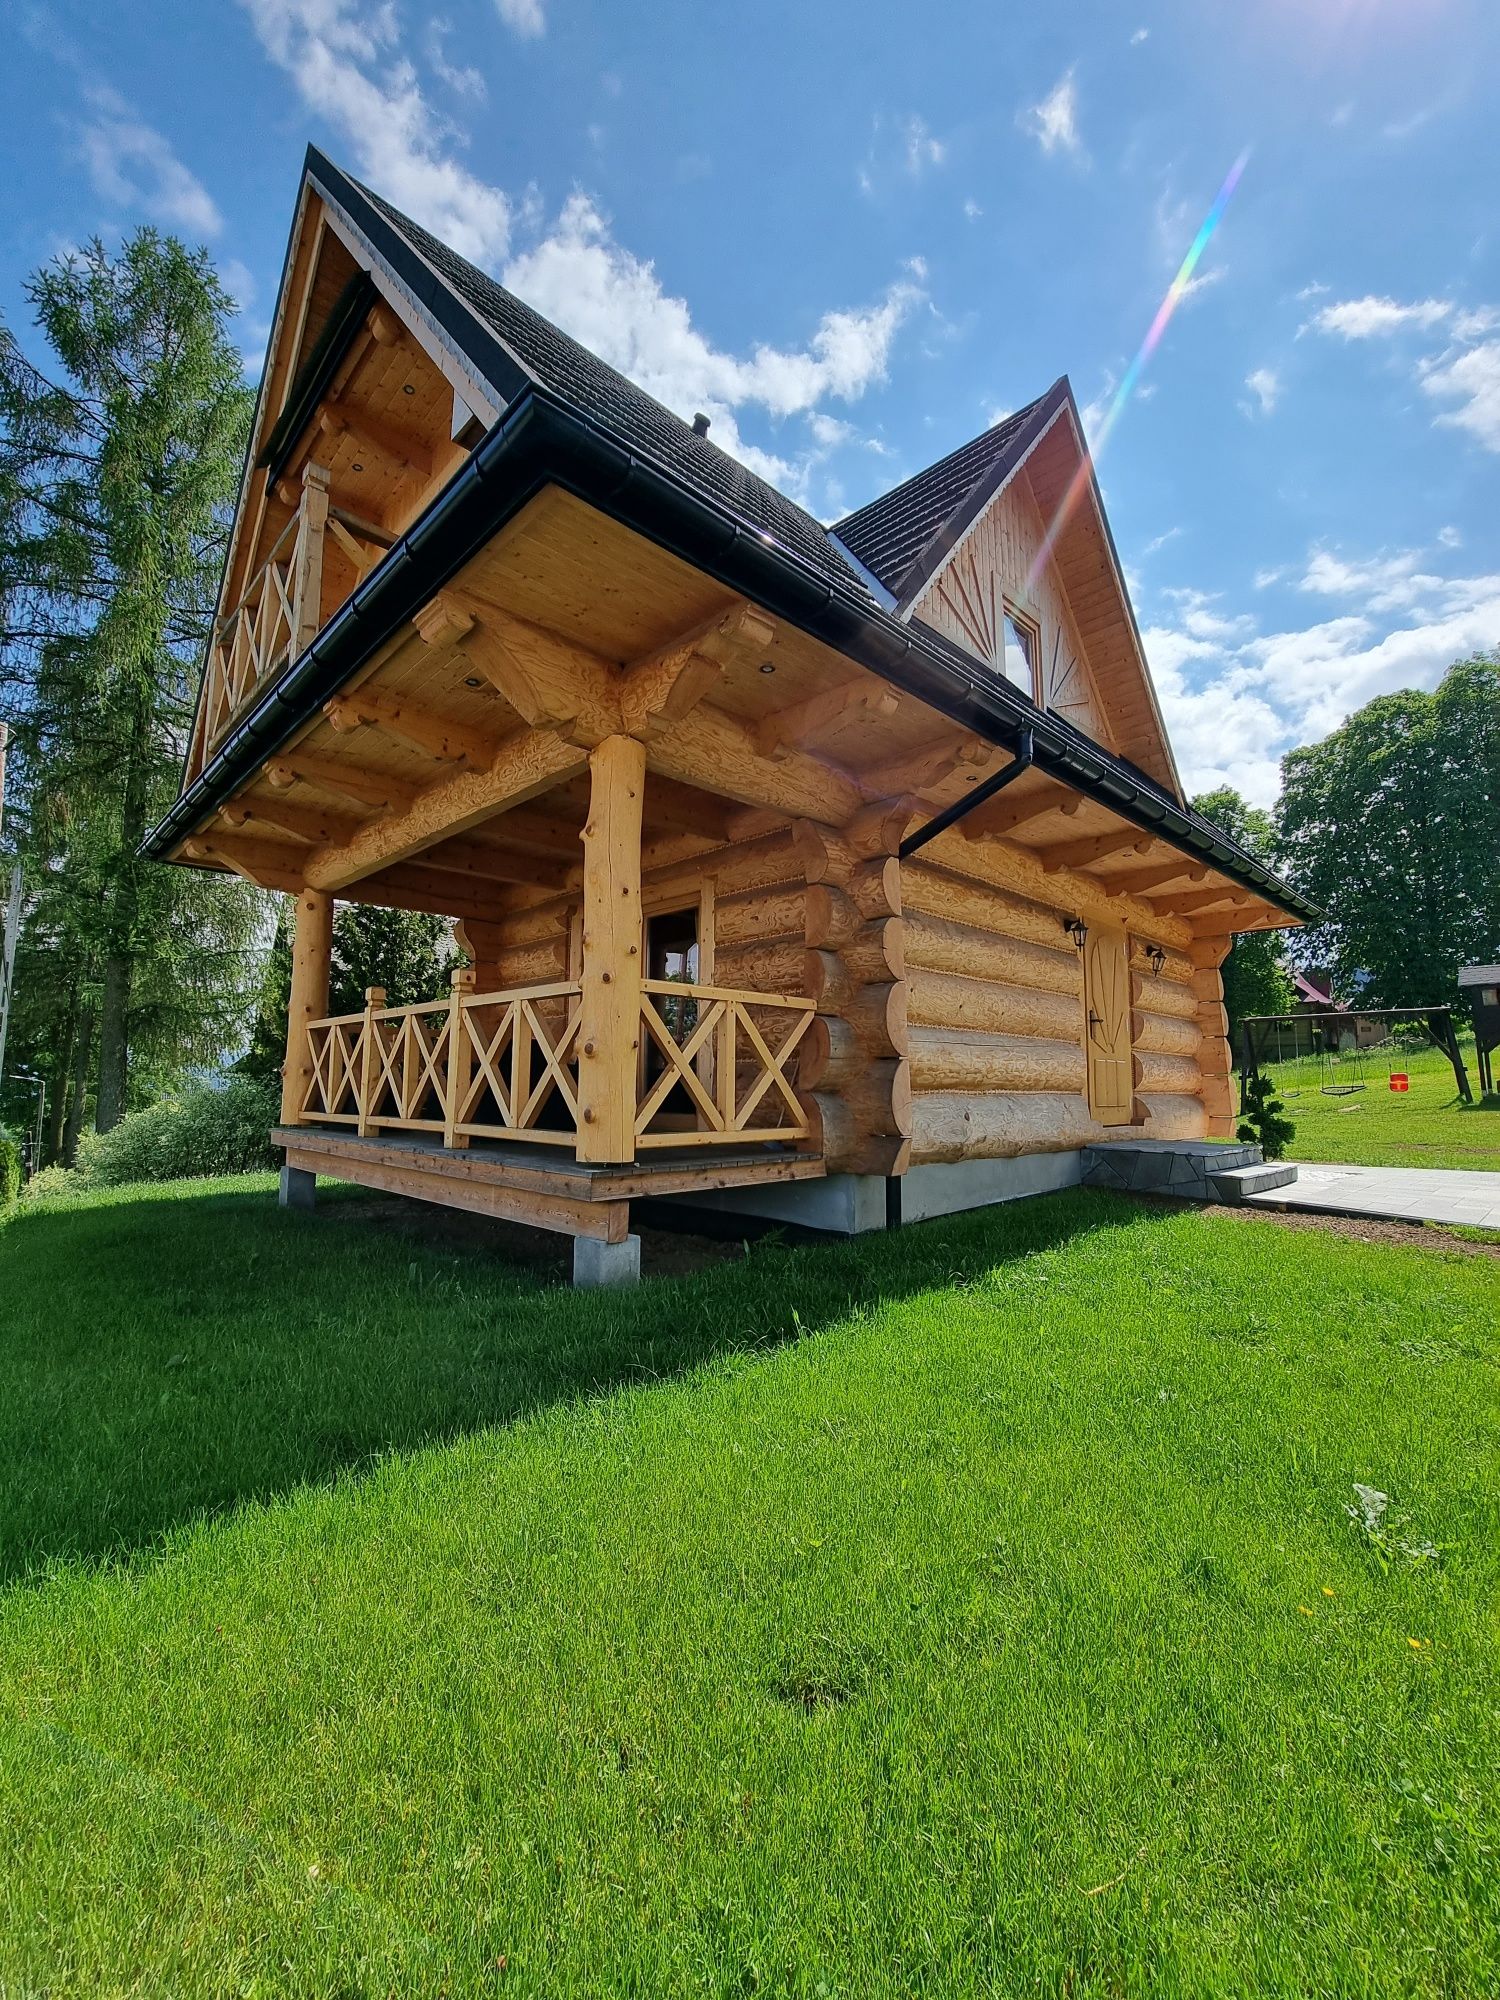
x=855 y=234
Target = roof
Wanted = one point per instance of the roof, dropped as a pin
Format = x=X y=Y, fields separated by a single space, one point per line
x=546 y=355
x=1479 y=975
x=568 y=419
x=894 y=536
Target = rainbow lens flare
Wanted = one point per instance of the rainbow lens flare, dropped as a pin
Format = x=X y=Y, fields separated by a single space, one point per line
x=1176 y=292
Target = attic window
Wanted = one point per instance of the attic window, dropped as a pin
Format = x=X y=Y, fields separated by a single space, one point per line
x=1022 y=650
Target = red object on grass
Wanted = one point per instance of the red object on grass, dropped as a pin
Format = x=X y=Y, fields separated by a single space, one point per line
x=1399 y=1080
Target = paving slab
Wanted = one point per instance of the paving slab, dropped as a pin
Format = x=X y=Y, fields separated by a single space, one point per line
x=1395 y=1194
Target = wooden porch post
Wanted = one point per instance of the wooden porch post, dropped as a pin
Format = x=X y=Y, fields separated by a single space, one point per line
x=307 y=574
x=609 y=1028
x=312 y=947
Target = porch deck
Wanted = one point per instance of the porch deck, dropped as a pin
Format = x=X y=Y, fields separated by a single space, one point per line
x=516 y=1182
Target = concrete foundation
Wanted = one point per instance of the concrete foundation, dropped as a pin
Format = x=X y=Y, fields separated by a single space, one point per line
x=596 y=1263
x=299 y=1189
x=842 y=1204
x=943 y=1189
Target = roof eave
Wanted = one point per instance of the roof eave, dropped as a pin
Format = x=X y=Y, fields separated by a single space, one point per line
x=541 y=439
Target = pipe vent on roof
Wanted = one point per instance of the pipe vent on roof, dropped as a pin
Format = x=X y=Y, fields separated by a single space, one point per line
x=700 y=425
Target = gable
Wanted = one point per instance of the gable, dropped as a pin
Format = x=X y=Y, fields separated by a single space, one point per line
x=1091 y=669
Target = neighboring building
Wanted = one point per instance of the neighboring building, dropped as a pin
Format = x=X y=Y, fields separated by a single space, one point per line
x=1347 y=1029
x=502 y=638
x=1480 y=986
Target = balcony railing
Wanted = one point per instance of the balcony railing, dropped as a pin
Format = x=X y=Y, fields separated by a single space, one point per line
x=714 y=1067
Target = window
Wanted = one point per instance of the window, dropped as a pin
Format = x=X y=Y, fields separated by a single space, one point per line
x=1021 y=650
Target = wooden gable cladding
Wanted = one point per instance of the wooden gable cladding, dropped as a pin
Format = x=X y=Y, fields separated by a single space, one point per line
x=1085 y=566
x=967 y=596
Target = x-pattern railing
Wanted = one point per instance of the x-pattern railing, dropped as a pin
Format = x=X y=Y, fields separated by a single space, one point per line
x=732 y=1068
x=504 y=1066
x=257 y=640
x=476 y=1066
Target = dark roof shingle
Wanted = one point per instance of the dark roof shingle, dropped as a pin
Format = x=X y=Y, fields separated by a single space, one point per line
x=891 y=533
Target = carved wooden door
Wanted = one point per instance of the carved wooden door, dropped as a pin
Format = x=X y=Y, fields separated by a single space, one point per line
x=1106 y=1001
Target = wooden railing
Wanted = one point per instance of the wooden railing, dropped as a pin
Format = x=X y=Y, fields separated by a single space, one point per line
x=475 y=1066
x=727 y=1069
x=714 y=1066
x=276 y=618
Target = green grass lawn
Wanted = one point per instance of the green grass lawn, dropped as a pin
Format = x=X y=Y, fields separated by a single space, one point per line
x=1428 y=1125
x=973 y=1610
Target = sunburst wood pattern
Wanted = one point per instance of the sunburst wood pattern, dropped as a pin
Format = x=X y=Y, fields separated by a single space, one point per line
x=966 y=600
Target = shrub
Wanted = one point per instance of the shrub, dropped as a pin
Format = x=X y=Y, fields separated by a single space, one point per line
x=10 y=1168
x=47 y=1183
x=200 y=1132
x=1261 y=1122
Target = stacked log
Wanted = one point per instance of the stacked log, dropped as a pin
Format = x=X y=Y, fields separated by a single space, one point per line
x=855 y=1074
x=996 y=1006
x=1215 y=1057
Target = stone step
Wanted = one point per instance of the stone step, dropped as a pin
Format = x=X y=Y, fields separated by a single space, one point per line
x=1238 y=1183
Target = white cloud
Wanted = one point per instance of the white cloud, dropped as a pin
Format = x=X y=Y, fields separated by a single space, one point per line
x=830 y=431
x=1158 y=542
x=1236 y=701
x=1472 y=380
x=1138 y=37
x=1466 y=375
x=348 y=66
x=1369 y=318
x=461 y=78
x=522 y=16
x=1054 y=122
x=972 y=210
x=348 y=69
x=922 y=149
x=1264 y=385
x=1450 y=538
x=131 y=163
x=239 y=282
x=614 y=303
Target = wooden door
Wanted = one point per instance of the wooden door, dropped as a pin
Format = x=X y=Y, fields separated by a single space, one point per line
x=1106 y=1001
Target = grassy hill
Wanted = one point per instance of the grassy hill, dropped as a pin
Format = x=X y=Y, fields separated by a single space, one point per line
x=972 y=1611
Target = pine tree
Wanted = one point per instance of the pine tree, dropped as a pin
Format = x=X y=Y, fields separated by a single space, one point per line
x=117 y=474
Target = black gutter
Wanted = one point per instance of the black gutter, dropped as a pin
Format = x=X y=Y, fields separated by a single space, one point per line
x=540 y=439
x=951 y=815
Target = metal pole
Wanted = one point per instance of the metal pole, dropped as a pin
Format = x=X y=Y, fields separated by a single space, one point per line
x=10 y=930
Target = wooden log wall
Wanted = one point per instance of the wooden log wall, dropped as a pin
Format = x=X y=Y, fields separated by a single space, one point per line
x=996 y=1011
x=1215 y=1058
x=855 y=1071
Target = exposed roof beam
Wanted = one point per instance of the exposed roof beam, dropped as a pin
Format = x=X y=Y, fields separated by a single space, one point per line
x=526 y=764
x=1082 y=853
x=794 y=727
x=929 y=764
x=1009 y=813
x=1141 y=880
x=717 y=752
x=265 y=863
x=310 y=823
x=359 y=784
x=1203 y=899
x=498 y=864
x=449 y=742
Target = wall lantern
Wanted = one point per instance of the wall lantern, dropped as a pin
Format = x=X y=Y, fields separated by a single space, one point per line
x=1158 y=958
x=1077 y=930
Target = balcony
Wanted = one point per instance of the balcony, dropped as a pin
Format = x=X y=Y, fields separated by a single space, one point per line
x=319 y=556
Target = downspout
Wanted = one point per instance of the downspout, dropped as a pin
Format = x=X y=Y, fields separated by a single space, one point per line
x=997 y=782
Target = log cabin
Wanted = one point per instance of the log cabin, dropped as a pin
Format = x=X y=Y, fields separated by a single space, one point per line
x=841 y=875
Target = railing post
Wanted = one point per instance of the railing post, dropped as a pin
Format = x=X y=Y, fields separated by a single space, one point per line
x=609 y=1029
x=312 y=945
x=374 y=1001
x=307 y=557
x=460 y=1055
